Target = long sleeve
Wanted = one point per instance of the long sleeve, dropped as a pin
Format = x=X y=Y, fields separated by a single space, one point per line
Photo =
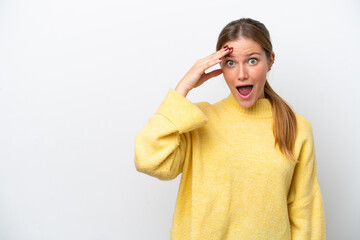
x=164 y=143
x=305 y=204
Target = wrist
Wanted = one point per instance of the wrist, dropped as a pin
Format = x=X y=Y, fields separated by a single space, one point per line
x=181 y=90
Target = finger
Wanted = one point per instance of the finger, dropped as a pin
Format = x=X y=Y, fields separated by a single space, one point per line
x=215 y=59
x=209 y=62
x=230 y=50
x=220 y=51
x=224 y=54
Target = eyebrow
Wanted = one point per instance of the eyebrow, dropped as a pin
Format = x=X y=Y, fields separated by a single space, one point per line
x=247 y=55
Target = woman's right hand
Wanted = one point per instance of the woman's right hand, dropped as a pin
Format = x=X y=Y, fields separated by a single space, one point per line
x=197 y=76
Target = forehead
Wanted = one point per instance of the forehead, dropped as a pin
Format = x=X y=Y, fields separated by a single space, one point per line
x=244 y=46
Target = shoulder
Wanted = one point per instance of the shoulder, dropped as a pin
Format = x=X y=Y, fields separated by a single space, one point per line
x=303 y=122
x=212 y=111
x=206 y=107
x=304 y=127
x=203 y=105
x=211 y=107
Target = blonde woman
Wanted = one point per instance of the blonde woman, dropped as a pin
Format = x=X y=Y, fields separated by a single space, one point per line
x=247 y=162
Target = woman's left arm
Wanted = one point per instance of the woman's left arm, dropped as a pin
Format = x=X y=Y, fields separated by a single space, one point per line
x=305 y=204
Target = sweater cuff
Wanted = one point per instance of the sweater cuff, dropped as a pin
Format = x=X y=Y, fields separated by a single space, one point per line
x=185 y=115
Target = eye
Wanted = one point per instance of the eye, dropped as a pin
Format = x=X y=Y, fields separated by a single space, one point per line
x=230 y=63
x=253 y=61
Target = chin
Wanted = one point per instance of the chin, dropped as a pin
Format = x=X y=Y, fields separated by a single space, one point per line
x=244 y=103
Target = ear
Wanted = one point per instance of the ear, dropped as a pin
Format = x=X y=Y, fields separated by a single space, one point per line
x=272 y=60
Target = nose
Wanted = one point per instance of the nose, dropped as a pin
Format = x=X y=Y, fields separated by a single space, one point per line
x=242 y=72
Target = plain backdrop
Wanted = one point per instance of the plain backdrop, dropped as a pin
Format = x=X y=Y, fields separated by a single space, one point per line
x=79 y=79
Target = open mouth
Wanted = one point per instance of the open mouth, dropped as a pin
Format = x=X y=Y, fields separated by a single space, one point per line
x=244 y=91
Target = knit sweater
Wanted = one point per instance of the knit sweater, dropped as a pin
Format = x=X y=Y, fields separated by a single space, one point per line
x=234 y=183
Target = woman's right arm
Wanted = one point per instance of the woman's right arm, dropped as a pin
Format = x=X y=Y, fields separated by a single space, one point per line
x=164 y=143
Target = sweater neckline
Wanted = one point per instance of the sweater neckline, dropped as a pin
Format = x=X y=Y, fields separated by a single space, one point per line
x=262 y=108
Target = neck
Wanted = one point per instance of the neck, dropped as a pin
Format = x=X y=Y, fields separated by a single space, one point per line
x=262 y=108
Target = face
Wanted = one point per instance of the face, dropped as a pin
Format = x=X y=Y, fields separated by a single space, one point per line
x=247 y=64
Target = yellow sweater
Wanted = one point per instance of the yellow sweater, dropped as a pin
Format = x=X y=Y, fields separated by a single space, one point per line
x=234 y=183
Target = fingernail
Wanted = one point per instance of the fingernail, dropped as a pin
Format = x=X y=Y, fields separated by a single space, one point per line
x=226 y=46
x=221 y=58
x=231 y=48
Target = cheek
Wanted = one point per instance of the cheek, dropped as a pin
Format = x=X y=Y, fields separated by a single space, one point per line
x=258 y=74
x=228 y=74
x=230 y=79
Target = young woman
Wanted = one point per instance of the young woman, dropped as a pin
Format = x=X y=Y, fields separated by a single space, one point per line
x=248 y=161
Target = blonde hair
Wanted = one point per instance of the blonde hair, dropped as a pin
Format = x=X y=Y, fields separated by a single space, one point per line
x=284 y=123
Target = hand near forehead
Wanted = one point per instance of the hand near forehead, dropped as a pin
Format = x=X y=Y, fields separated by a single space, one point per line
x=197 y=76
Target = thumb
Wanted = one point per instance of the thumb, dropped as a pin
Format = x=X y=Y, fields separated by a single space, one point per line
x=207 y=76
x=212 y=74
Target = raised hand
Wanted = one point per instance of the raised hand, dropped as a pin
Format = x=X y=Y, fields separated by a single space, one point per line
x=197 y=76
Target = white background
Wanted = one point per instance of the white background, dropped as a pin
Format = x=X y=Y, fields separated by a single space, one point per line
x=79 y=79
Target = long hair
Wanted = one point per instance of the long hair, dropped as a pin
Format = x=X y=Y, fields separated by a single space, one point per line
x=284 y=120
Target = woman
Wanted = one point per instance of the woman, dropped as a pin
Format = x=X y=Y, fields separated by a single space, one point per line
x=247 y=162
